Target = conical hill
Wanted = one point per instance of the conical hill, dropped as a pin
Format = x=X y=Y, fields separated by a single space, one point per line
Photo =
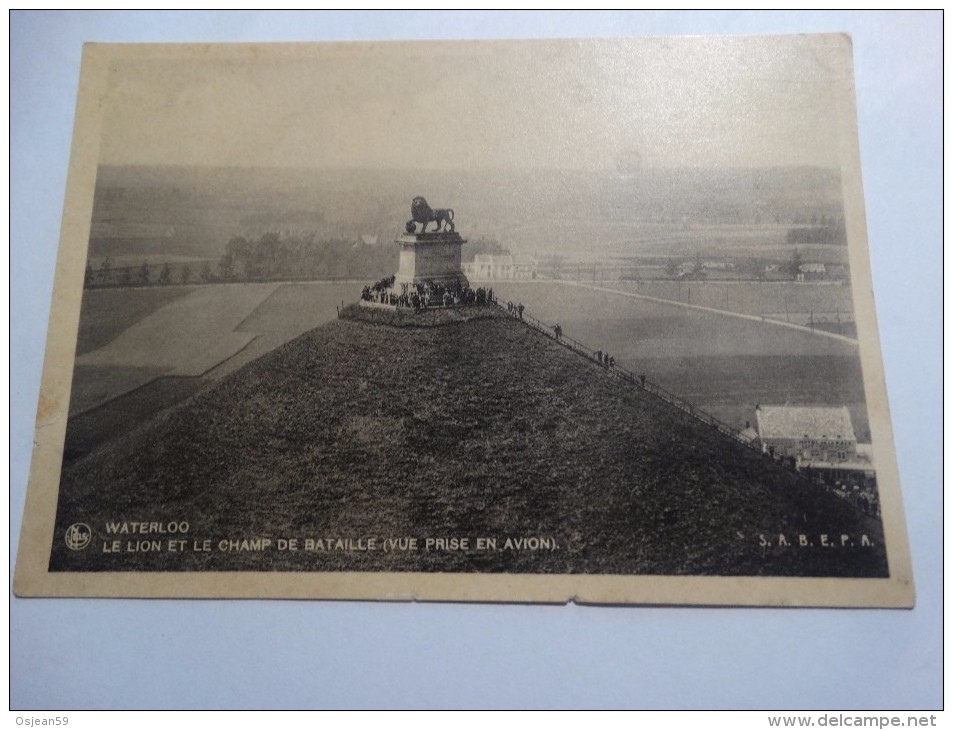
x=362 y=437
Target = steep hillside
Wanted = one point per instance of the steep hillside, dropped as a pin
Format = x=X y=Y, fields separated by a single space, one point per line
x=484 y=430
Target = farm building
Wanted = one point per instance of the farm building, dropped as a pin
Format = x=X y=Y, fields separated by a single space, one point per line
x=820 y=439
x=807 y=272
x=718 y=266
x=490 y=267
x=524 y=267
x=807 y=433
x=686 y=268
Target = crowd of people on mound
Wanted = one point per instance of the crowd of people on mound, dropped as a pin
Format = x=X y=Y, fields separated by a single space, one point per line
x=515 y=309
x=859 y=491
x=425 y=294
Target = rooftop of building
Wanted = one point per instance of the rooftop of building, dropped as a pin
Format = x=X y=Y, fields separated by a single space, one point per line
x=797 y=422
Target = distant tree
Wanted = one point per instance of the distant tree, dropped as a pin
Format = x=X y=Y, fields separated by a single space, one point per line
x=186 y=273
x=104 y=269
x=268 y=244
x=486 y=246
x=752 y=268
x=698 y=269
x=89 y=275
x=206 y=274
x=226 y=266
x=671 y=269
x=126 y=275
x=165 y=276
x=794 y=265
x=237 y=245
x=240 y=253
x=267 y=252
x=144 y=272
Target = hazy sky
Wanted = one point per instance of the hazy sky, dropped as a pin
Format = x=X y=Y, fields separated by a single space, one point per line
x=561 y=104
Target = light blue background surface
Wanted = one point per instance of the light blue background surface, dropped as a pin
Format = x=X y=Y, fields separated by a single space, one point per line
x=280 y=654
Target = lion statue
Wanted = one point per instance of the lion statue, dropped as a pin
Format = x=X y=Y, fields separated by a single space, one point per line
x=422 y=213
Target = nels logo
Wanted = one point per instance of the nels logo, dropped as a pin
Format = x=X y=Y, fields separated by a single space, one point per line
x=78 y=536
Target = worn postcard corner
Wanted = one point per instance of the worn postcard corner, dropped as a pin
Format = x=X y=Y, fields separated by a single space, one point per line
x=528 y=321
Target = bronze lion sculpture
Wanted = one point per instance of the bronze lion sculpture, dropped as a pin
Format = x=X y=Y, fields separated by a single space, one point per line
x=422 y=213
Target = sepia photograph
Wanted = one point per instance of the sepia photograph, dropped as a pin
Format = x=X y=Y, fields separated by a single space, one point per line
x=467 y=320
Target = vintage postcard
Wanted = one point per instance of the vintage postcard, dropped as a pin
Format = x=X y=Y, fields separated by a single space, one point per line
x=540 y=321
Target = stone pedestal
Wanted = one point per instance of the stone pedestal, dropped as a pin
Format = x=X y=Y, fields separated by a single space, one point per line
x=430 y=257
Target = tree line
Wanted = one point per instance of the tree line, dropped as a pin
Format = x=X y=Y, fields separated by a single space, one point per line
x=146 y=274
x=296 y=257
x=267 y=257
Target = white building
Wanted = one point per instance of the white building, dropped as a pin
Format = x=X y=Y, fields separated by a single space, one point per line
x=806 y=272
x=524 y=267
x=818 y=437
x=493 y=267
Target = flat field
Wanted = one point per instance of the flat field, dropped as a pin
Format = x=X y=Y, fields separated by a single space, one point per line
x=722 y=364
x=750 y=297
x=188 y=335
x=107 y=313
x=824 y=306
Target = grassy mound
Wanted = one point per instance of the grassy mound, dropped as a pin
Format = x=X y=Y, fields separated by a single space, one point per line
x=483 y=430
x=404 y=317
